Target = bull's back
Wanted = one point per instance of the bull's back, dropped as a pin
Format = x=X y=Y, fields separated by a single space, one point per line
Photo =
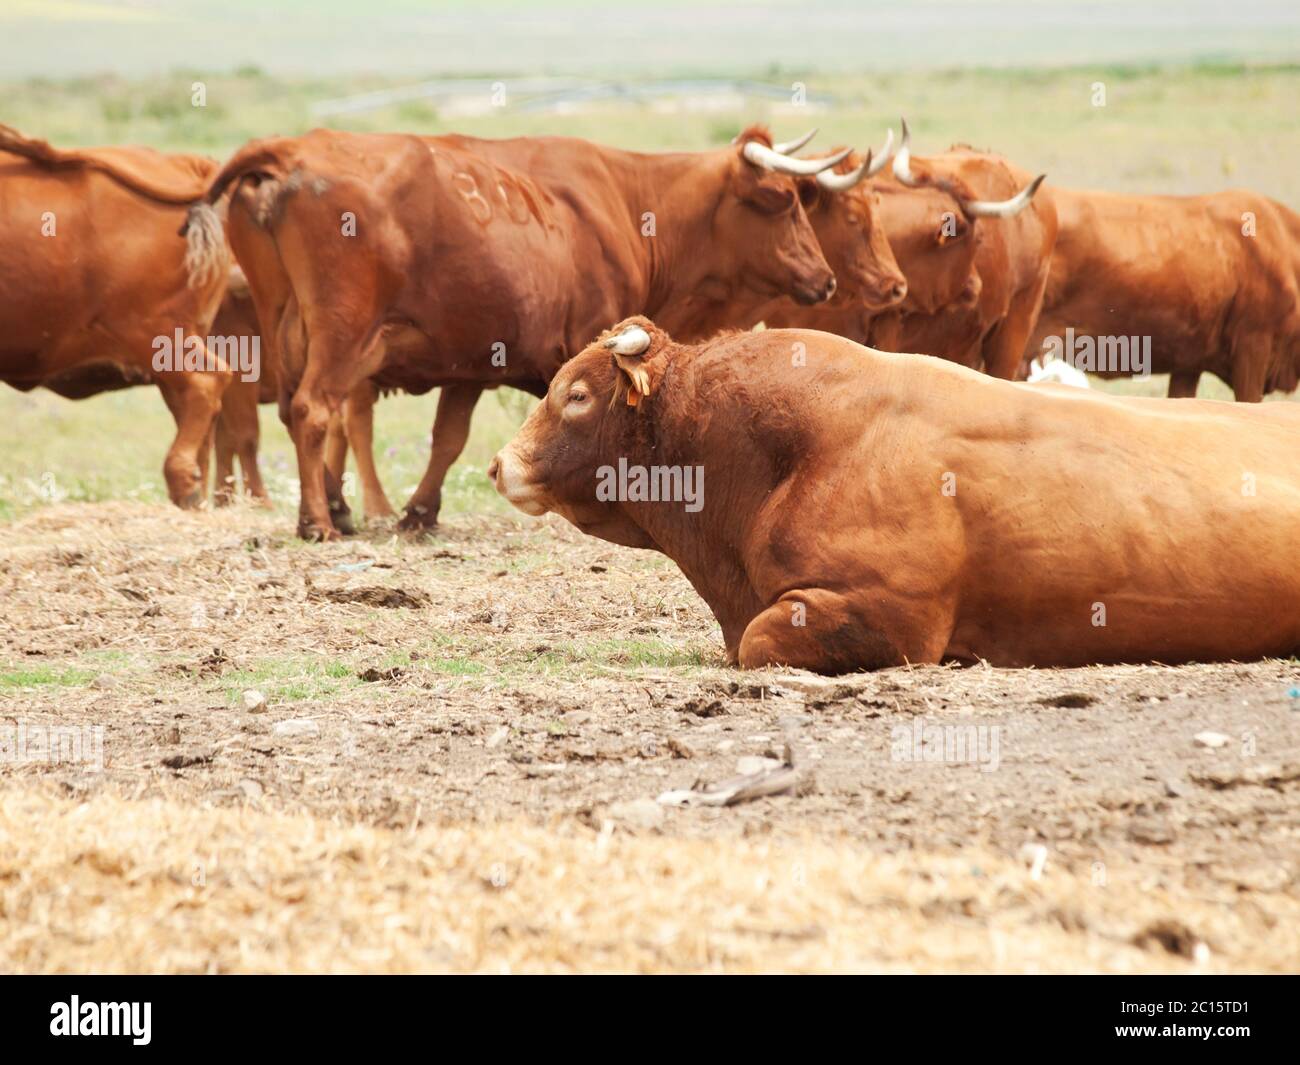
x=1102 y=528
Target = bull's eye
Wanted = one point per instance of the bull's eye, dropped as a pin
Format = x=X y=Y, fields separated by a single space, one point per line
x=577 y=395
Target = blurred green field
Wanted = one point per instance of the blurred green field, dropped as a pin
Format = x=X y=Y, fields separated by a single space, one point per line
x=1188 y=129
x=1182 y=129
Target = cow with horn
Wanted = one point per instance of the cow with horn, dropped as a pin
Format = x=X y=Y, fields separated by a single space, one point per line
x=973 y=235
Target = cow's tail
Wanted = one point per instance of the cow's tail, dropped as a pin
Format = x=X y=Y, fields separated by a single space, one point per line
x=205 y=243
x=206 y=254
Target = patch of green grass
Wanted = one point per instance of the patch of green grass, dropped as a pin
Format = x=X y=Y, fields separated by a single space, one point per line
x=46 y=677
x=637 y=653
x=456 y=667
x=288 y=680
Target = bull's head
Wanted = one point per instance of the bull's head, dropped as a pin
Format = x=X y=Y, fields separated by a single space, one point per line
x=584 y=422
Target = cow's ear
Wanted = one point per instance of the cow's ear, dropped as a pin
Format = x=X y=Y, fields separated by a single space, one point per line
x=635 y=376
x=770 y=197
x=638 y=349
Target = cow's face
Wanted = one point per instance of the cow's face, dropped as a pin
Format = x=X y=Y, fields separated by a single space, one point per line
x=763 y=237
x=934 y=243
x=552 y=464
x=848 y=229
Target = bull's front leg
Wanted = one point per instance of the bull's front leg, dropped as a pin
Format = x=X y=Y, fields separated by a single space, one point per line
x=824 y=632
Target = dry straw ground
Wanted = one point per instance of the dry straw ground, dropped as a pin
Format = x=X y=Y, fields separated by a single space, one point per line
x=110 y=885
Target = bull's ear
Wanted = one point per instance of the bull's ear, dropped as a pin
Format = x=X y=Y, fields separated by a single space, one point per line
x=636 y=376
x=629 y=348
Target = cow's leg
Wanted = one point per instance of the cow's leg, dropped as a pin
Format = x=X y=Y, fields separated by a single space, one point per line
x=309 y=415
x=194 y=398
x=223 y=489
x=237 y=433
x=336 y=446
x=359 y=422
x=246 y=432
x=205 y=458
x=1183 y=384
x=820 y=631
x=246 y=448
x=1250 y=356
x=337 y=359
x=450 y=431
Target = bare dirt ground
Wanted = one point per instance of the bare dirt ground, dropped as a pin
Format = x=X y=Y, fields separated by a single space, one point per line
x=464 y=736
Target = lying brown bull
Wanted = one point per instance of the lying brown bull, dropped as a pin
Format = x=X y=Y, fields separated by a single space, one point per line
x=465 y=264
x=973 y=235
x=840 y=508
x=1198 y=284
x=92 y=271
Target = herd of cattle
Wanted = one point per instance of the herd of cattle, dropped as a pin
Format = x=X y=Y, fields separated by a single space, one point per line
x=365 y=263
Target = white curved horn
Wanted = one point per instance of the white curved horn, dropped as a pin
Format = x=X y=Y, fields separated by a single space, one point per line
x=761 y=155
x=843 y=182
x=1003 y=208
x=633 y=341
x=790 y=147
x=903 y=160
x=883 y=157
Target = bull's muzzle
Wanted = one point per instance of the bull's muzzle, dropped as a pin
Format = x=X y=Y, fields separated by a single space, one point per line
x=509 y=476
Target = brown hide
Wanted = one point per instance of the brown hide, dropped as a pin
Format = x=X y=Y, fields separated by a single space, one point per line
x=861 y=509
x=1211 y=280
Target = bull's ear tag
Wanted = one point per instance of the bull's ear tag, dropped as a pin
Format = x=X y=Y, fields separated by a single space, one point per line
x=628 y=347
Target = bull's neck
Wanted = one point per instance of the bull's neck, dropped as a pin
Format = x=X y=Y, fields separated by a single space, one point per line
x=707 y=544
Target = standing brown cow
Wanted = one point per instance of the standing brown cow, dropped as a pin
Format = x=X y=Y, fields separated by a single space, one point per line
x=466 y=263
x=863 y=510
x=92 y=271
x=1207 y=283
x=845 y=219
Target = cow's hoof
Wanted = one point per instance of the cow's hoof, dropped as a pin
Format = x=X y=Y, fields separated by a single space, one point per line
x=192 y=501
x=418 y=519
x=343 y=522
x=313 y=533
